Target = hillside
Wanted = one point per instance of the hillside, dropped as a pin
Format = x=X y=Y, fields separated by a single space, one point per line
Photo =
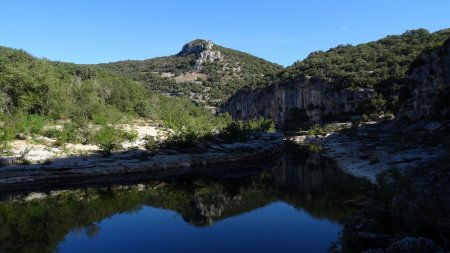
x=204 y=72
x=408 y=157
x=339 y=84
x=380 y=64
x=36 y=92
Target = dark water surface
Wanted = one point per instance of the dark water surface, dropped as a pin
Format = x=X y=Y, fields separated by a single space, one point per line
x=294 y=204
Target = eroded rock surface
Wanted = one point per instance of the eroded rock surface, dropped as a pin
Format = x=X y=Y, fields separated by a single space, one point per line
x=162 y=162
x=428 y=90
x=303 y=99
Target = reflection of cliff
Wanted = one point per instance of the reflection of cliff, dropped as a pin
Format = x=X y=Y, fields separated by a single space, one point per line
x=310 y=182
x=304 y=180
x=205 y=209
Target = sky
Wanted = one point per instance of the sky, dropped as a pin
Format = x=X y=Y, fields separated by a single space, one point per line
x=281 y=31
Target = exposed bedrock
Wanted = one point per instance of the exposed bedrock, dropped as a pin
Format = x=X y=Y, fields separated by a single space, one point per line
x=428 y=90
x=304 y=99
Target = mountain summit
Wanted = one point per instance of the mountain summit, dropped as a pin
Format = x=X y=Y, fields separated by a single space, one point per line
x=196 y=47
x=202 y=49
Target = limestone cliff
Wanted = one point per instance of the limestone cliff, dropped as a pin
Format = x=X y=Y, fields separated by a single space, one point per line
x=428 y=90
x=303 y=100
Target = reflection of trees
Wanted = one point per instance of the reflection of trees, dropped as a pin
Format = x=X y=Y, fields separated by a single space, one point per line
x=40 y=224
x=92 y=230
x=302 y=179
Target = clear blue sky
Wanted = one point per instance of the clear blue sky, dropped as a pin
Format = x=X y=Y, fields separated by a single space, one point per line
x=282 y=31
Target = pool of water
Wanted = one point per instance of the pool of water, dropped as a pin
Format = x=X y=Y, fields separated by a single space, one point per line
x=276 y=227
x=294 y=204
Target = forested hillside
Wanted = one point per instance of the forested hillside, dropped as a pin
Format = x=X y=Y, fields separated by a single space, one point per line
x=202 y=71
x=381 y=64
x=35 y=92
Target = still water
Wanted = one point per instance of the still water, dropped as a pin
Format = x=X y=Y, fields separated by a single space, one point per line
x=293 y=204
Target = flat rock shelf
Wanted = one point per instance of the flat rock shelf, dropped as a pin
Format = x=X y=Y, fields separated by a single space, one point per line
x=101 y=167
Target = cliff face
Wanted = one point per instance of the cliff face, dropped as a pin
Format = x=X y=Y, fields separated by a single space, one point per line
x=428 y=91
x=303 y=100
x=309 y=100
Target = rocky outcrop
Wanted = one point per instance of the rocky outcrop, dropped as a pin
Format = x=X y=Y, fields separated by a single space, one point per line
x=203 y=50
x=371 y=149
x=428 y=90
x=165 y=162
x=303 y=99
x=196 y=47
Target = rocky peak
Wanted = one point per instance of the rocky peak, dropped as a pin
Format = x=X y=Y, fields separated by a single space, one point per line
x=203 y=51
x=196 y=47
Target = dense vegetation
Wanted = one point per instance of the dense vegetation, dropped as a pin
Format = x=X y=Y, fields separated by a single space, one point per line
x=215 y=82
x=381 y=64
x=37 y=92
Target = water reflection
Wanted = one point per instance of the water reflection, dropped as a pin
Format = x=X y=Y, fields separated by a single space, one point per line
x=38 y=222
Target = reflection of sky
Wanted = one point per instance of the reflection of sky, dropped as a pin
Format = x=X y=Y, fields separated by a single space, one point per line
x=277 y=227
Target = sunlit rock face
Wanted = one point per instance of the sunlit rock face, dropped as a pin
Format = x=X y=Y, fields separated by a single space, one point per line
x=427 y=93
x=303 y=99
x=196 y=47
x=203 y=50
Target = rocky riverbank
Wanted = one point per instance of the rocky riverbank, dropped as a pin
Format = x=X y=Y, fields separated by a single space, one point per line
x=370 y=149
x=35 y=149
x=408 y=164
x=163 y=162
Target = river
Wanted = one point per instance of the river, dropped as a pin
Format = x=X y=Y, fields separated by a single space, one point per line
x=294 y=203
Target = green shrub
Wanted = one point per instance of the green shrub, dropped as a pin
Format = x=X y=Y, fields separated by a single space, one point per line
x=129 y=135
x=69 y=134
x=239 y=130
x=152 y=143
x=52 y=133
x=108 y=115
x=374 y=105
x=181 y=139
x=108 y=138
x=30 y=124
x=7 y=133
x=233 y=132
x=261 y=124
x=317 y=129
x=143 y=109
